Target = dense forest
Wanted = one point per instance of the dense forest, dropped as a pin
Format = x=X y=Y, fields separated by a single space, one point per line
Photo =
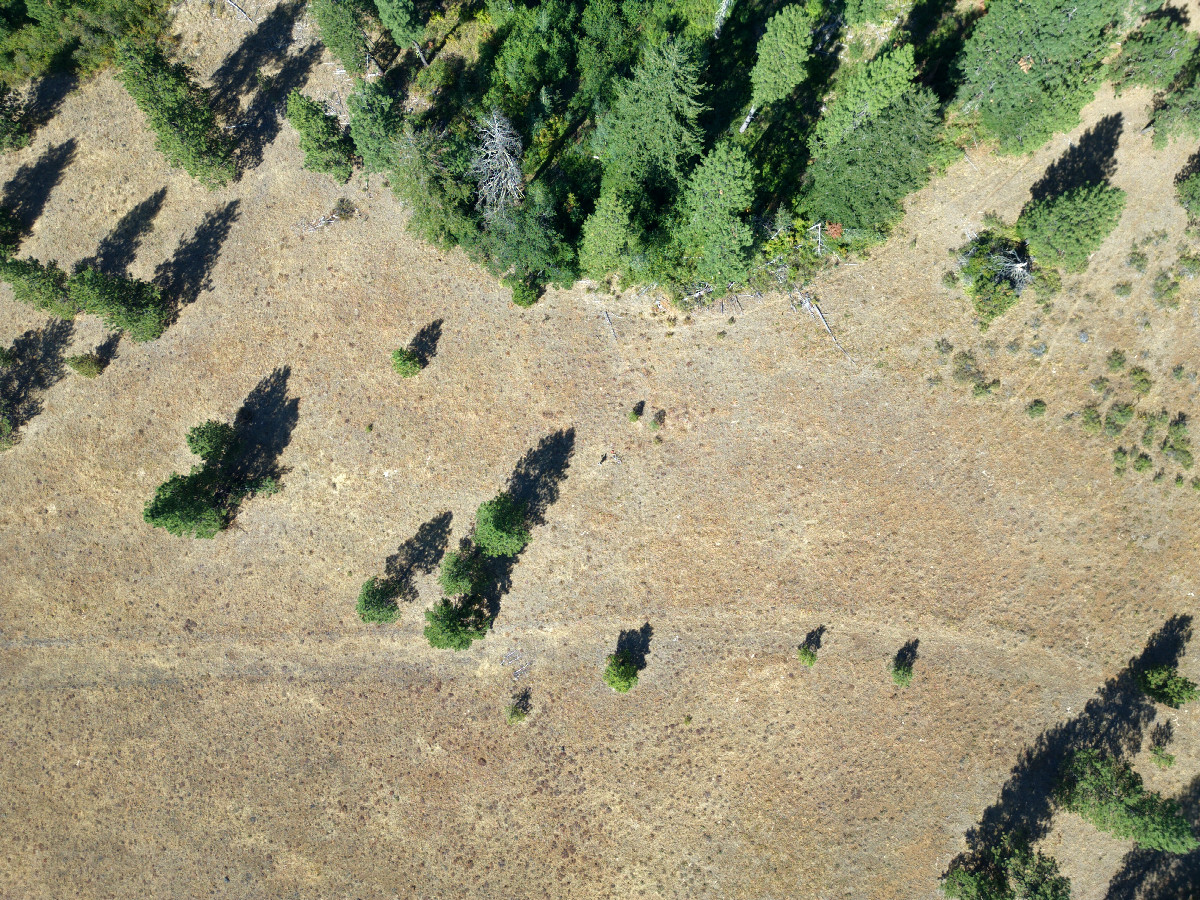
x=690 y=144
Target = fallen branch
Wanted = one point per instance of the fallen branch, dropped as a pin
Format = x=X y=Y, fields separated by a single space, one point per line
x=810 y=307
x=244 y=14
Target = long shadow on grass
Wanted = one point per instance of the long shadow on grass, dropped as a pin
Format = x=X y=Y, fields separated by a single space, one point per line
x=634 y=644
x=938 y=32
x=26 y=193
x=420 y=553
x=264 y=425
x=425 y=342
x=1090 y=161
x=47 y=94
x=117 y=251
x=534 y=482
x=1154 y=875
x=265 y=46
x=260 y=124
x=37 y=363
x=189 y=270
x=1113 y=721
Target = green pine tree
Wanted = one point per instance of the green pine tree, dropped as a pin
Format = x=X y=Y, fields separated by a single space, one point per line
x=1063 y=231
x=125 y=304
x=326 y=148
x=1154 y=55
x=608 y=240
x=867 y=90
x=342 y=24
x=40 y=285
x=400 y=18
x=180 y=114
x=715 y=236
x=1178 y=116
x=376 y=125
x=783 y=52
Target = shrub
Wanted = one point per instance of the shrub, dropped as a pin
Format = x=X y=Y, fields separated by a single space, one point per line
x=1178 y=114
x=1140 y=380
x=460 y=573
x=376 y=603
x=89 y=365
x=180 y=114
x=966 y=371
x=1142 y=463
x=1120 y=458
x=1165 y=685
x=500 y=526
x=42 y=286
x=125 y=304
x=1165 y=290
x=406 y=363
x=1162 y=758
x=214 y=442
x=1010 y=871
x=1116 y=361
x=1187 y=191
x=1119 y=415
x=524 y=294
x=861 y=12
x=187 y=506
x=806 y=655
x=454 y=626
x=994 y=269
x=1178 y=443
x=514 y=713
x=620 y=673
x=1091 y=421
x=1065 y=230
x=1036 y=409
x=326 y=148
x=1109 y=794
x=902 y=672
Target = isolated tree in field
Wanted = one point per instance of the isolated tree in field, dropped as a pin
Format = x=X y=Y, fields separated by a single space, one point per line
x=376 y=602
x=454 y=626
x=326 y=148
x=782 y=60
x=1109 y=794
x=621 y=672
x=1063 y=231
x=341 y=23
x=1030 y=66
x=715 y=234
x=180 y=114
x=40 y=285
x=125 y=304
x=651 y=131
x=400 y=18
x=1165 y=685
x=1155 y=54
x=460 y=572
x=497 y=165
x=500 y=526
x=195 y=505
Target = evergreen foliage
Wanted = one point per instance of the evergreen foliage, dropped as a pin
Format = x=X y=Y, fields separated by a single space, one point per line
x=342 y=25
x=11 y=232
x=865 y=92
x=460 y=573
x=326 y=148
x=400 y=18
x=375 y=125
x=1154 y=55
x=454 y=626
x=538 y=55
x=1187 y=191
x=89 y=365
x=376 y=603
x=621 y=672
x=180 y=114
x=1029 y=66
x=1109 y=794
x=607 y=47
x=500 y=526
x=1010 y=871
x=1178 y=115
x=125 y=304
x=40 y=285
x=783 y=51
x=14 y=125
x=405 y=363
x=1064 y=231
x=1165 y=685
x=609 y=241
x=714 y=234
x=994 y=269
x=861 y=12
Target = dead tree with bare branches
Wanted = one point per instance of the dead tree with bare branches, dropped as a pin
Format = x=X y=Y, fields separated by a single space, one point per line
x=497 y=165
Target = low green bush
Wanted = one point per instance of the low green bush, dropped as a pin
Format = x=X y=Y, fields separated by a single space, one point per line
x=1116 y=361
x=1140 y=380
x=902 y=673
x=455 y=626
x=994 y=269
x=376 y=603
x=620 y=673
x=806 y=655
x=326 y=147
x=406 y=363
x=1165 y=685
x=125 y=304
x=1036 y=409
x=500 y=526
x=460 y=573
x=1118 y=416
x=89 y=365
x=1178 y=443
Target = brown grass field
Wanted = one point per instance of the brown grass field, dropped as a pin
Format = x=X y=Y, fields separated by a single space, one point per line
x=210 y=718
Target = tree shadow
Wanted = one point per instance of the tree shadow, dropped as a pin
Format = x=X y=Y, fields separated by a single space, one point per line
x=37 y=363
x=1190 y=168
x=727 y=67
x=262 y=120
x=264 y=425
x=188 y=272
x=266 y=45
x=522 y=700
x=536 y=478
x=1090 y=161
x=812 y=640
x=117 y=250
x=938 y=33
x=26 y=193
x=1113 y=722
x=635 y=645
x=906 y=656
x=425 y=342
x=420 y=553
x=46 y=96
x=1154 y=875
x=107 y=349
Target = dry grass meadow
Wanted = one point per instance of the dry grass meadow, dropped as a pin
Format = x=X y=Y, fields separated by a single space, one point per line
x=210 y=718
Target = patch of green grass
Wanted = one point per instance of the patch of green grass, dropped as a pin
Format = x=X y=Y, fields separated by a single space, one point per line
x=1178 y=444
x=1140 y=380
x=1091 y=421
x=1162 y=758
x=1137 y=259
x=1123 y=289
x=1165 y=290
x=1120 y=459
x=1099 y=384
x=89 y=365
x=1142 y=463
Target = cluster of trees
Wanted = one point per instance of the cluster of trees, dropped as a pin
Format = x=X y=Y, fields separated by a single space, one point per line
x=204 y=502
x=134 y=307
x=1012 y=870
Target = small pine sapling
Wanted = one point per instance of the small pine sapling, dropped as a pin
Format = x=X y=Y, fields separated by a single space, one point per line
x=376 y=602
x=620 y=673
x=500 y=526
x=1165 y=685
x=406 y=363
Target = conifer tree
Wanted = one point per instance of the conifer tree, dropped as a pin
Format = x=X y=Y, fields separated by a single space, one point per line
x=399 y=17
x=1154 y=55
x=40 y=285
x=1063 y=231
x=1179 y=114
x=342 y=26
x=180 y=114
x=1187 y=191
x=715 y=235
x=869 y=89
x=782 y=59
x=326 y=148
x=376 y=125
x=608 y=241
x=1030 y=66
x=125 y=304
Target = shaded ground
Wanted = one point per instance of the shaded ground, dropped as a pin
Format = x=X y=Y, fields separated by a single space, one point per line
x=188 y=718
